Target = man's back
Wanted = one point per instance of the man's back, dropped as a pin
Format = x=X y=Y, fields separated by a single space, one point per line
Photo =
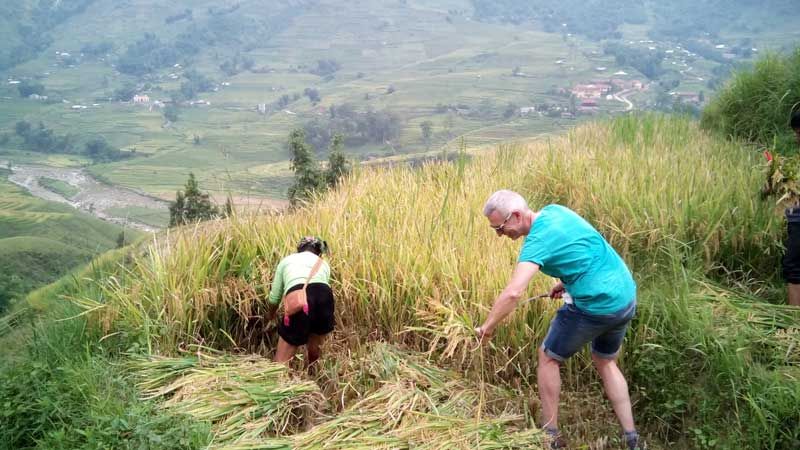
x=567 y=247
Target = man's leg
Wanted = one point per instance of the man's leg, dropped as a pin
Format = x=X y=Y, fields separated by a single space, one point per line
x=794 y=294
x=616 y=389
x=549 y=380
x=285 y=351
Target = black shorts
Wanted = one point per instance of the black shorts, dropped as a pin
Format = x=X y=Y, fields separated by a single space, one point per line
x=791 y=259
x=319 y=319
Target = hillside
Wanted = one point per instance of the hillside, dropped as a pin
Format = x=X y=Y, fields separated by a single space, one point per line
x=41 y=241
x=416 y=267
x=376 y=71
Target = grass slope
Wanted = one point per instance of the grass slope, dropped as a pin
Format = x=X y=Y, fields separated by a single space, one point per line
x=40 y=241
x=712 y=355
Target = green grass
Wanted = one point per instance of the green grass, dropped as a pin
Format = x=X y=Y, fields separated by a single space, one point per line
x=67 y=393
x=41 y=241
x=756 y=104
x=61 y=188
x=147 y=216
x=711 y=335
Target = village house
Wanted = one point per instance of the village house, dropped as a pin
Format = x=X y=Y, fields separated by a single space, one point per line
x=688 y=97
x=525 y=110
x=141 y=99
x=593 y=90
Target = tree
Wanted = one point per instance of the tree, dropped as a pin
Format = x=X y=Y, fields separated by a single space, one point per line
x=510 y=111
x=125 y=93
x=307 y=176
x=121 y=239
x=337 y=162
x=191 y=205
x=427 y=130
x=28 y=88
x=312 y=94
x=171 y=113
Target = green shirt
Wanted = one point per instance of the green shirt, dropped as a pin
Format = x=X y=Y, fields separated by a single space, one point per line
x=293 y=270
x=566 y=246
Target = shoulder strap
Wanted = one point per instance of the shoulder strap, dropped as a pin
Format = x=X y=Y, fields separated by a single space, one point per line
x=314 y=270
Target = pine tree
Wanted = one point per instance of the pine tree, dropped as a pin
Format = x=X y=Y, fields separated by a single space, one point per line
x=191 y=205
x=337 y=162
x=307 y=176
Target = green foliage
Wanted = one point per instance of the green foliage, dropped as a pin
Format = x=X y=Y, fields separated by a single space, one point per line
x=195 y=84
x=41 y=241
x=357 y=128
x=171 y=113
x=191 y=205
x=645 y=61
x=61 y=188
x=756 y=103
x=98 y=49
x=338 y=165
x=66 y=393
x=326 y=67
x=125 y=93
x=427 y=130
x=11 y=289
x=312 y=94
x=45 y=140
x=307 y=175
x=31 y=24
x=237 y=64
x=27 y=88
x=42 y=139
x=148 y=55
x=100 y=151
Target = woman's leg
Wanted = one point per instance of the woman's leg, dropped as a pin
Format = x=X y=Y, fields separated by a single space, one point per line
x=285 y=351
x=314 y=343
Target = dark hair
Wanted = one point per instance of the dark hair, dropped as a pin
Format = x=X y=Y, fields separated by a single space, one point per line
x=795 y=122
x=312 y=244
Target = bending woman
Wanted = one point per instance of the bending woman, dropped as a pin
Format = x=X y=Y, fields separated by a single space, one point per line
x=309 y=325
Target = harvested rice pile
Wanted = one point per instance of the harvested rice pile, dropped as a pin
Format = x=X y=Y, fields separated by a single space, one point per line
x=407 y=403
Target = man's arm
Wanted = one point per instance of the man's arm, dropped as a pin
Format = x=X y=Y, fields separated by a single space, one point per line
x=505 y=303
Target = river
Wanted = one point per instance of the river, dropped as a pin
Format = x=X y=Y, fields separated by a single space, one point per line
x=93 y=197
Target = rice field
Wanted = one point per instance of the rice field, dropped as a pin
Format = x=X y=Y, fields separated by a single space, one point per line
x=416 y=265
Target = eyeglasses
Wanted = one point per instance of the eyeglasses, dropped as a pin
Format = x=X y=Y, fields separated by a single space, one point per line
x=502 y=226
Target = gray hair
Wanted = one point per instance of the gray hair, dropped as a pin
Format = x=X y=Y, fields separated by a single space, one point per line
x=504 y=202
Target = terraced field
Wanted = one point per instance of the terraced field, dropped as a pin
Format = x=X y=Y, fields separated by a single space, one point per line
x=41 y=241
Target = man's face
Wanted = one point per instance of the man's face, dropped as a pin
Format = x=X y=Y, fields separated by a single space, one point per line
x=508 y=225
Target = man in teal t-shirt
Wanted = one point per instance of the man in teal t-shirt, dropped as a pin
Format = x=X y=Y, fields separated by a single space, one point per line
x=598 y=291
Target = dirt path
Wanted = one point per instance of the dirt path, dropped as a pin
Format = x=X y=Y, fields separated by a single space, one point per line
x=93 y=197
x=622 y=96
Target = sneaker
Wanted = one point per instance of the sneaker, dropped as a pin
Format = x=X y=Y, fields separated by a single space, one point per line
x=555 y=439
x=635 y=442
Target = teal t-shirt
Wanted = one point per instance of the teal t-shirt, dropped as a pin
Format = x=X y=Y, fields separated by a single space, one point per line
x=566 y=246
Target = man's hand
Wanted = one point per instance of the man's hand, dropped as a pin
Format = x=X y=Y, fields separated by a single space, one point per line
x=483 y=333
x=557 y=291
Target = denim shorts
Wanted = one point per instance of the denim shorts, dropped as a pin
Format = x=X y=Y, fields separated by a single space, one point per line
x=572 y=328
